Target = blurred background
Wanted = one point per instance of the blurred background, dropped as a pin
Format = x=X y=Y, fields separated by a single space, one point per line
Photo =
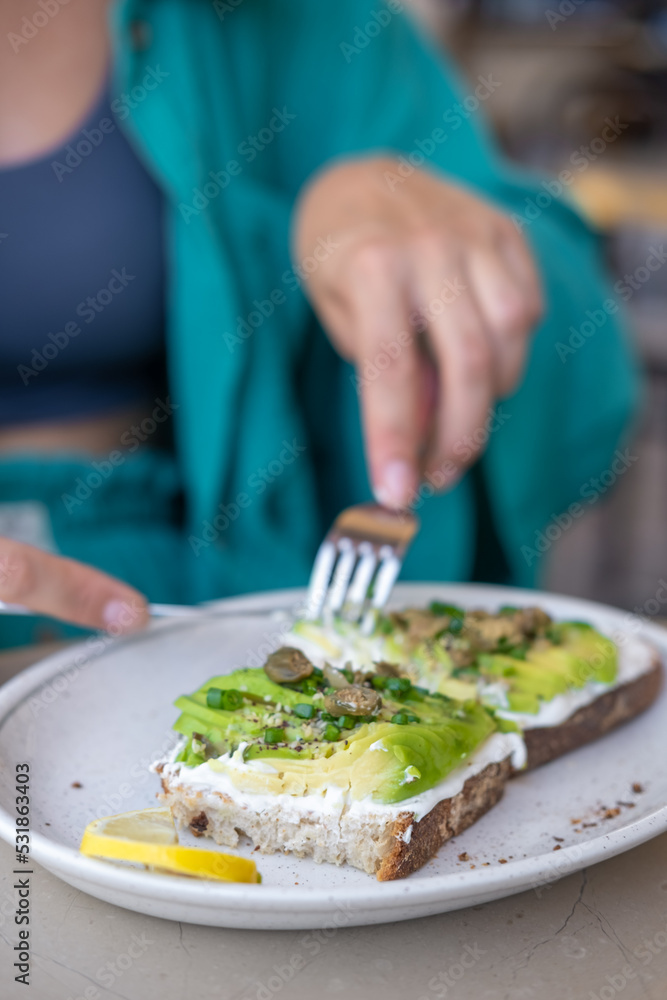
x=565 y=67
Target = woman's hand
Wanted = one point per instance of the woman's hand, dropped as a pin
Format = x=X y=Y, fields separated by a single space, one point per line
x=63 y=588
x=432 y=294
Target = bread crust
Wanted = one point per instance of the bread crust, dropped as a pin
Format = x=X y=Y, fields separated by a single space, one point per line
x=446 y=820
x=594 y=720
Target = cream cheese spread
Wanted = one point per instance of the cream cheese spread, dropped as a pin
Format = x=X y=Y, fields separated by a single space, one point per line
x=335 y=799
x=635 y=657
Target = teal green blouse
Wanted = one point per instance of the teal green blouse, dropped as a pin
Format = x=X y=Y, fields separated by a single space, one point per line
x=232 y=106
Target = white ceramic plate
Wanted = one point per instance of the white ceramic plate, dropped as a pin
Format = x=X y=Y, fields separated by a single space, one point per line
x=98 y=718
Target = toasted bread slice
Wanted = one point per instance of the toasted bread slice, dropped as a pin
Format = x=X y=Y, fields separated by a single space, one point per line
x=389 y=845
x=394 y=841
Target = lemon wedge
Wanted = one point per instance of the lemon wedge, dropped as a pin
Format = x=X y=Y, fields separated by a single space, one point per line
x=148 y=837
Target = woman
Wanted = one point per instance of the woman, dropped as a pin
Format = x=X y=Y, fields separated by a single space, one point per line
x=177 y=411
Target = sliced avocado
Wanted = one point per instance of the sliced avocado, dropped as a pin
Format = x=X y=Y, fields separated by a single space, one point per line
x=258 y=750
x=385 y=762
x=255 y=684
x=597 y=653
x=214 y=718
x=523 y=701
x=526 y=676
x=430 y=752
x=376 y=757
x=558 y=661
x=456 y=689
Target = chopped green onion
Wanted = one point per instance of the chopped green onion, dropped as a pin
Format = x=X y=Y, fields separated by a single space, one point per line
x=214 y=698
x=274 y=735
x=304 y=711
x=228 y=700
x=385 y=625
x=317 y=673
x=231 y=700
x=379 y=682
x=331 y=733
x=403 y=718
x=326 y=717
x=347 y=721
x=438 y=608
x=398 y=685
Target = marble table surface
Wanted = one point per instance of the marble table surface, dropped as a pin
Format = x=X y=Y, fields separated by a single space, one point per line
x=596 y=935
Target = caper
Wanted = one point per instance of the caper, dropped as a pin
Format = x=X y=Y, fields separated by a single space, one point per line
x=334 y=678
x=353 y=700
x=288 y=665
x=386 y=669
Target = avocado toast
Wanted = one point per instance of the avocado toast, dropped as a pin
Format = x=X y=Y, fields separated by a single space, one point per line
x=362 y=767
x=561 y=684
x=374 y=749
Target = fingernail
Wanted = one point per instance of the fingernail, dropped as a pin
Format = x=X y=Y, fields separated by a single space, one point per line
x=123 y=616
x=396 y=485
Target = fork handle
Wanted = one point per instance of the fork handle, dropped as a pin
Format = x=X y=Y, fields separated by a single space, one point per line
x=168 y=611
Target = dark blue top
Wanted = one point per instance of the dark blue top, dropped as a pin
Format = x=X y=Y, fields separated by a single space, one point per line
x=81 y=278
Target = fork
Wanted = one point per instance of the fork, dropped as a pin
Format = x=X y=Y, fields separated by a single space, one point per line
x=358 y=562
x=354 y=570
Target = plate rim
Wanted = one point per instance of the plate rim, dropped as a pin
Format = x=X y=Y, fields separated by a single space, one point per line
x=527 y=873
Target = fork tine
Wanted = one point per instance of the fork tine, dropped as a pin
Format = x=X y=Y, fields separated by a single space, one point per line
x=361 y=581
x=319 y=579
x=366 y=543
x=388 y=570
x=390 y=567
x=347 y=559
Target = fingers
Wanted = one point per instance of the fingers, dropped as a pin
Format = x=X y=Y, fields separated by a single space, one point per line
x=65 y=589
x=505 y=311
x=389 y=371
x=459 y=339
x=515 y=252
